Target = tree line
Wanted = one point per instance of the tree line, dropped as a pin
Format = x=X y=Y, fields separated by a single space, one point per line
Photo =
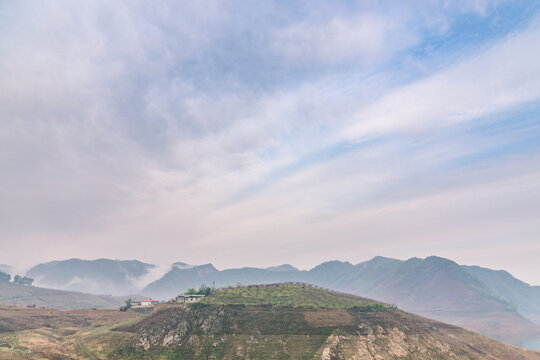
x=17 y=280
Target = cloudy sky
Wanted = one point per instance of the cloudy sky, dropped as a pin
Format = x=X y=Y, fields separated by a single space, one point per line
x=265 y=132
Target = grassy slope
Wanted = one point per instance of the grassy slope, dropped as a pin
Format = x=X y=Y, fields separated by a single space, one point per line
x=65 y=300
x=289 y=294
x=257 y=322
x=54 y=334
x=292 y=321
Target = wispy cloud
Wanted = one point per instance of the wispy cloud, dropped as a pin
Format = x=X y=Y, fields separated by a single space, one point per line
x=222 y=128
x=363 y=39
x=501 y=77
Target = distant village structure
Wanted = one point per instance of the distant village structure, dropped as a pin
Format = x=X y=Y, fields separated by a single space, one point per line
x=148 y=302
x=187 y=298
x=144 y=303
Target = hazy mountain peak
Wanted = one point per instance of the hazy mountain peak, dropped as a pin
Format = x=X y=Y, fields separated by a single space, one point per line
x=381 y=260
x=206 y=268
x=334 y=264
x=99 y=276
x=283 y=267
x=5 y=268
x=182 y=265
x=439 y=260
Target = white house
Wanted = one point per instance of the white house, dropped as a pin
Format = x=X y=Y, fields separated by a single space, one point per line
x=148 y=302
x=188 y=298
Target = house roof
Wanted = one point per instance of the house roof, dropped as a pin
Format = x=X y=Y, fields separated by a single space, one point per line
x=149 y=299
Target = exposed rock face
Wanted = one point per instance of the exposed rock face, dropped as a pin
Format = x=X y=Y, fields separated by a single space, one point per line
x=272 y=332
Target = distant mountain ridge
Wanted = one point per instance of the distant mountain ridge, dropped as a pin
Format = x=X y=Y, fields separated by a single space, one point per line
x=491 y=302
x=433 y=287
x=5 y=268
x=100 y=276
x=11 y=294
x=524 y=296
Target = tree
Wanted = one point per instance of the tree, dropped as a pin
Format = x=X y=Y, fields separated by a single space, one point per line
x=128 y=304
x=204 y=290
x=22 y=280
x=4 y=277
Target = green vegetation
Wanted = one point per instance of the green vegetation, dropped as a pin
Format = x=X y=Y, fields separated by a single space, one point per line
x=234 y=347
x=22 y=280
x=203 y=290
x=290 y=294
x=4 y=277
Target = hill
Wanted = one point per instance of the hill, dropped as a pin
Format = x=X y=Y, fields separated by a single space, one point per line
x=282 y=321
x=290 y=294
x=52 y=334
x=295 y=321
x=11 y=294
x=433 y=287
x=101 y=276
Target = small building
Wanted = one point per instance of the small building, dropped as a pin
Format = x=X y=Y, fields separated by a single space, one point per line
x=148 y=302
x=187 y=298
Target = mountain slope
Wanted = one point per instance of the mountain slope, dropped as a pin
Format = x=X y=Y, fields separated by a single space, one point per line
x=179 y=279
x=11 y=294
x=101 y=276
x=525 y=297
x=272 y=322
x=5 y=268
x=443 y=290
x=434 y=287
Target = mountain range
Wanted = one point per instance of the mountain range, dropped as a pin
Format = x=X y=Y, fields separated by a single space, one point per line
x=491 y=302
x=11 y=294
x=101 y=276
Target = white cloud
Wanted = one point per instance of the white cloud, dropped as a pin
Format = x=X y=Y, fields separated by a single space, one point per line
x=363 y=39
x=497 y=79
x=123 y=123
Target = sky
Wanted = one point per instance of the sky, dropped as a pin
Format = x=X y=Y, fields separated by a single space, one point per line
x=256 y=133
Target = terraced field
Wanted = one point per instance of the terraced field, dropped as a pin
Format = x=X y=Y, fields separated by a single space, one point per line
x=290 y=294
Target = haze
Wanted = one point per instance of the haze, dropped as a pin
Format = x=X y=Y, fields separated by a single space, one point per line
x=259 y=133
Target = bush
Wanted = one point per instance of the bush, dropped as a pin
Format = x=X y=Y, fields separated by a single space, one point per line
x=4 y=277
x=22 y=280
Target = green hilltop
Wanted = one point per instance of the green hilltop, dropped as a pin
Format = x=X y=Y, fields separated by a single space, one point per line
x=292 y=321
x=290 y=294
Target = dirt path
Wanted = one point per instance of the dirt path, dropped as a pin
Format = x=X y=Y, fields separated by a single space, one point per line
x=85 y=350
x=101 y=330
